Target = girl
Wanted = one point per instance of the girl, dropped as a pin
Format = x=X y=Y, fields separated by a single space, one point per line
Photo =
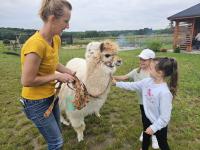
x=39 y=59
x=157 y=99
x=138 y=74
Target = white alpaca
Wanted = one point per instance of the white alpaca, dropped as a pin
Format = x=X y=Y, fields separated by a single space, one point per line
x=91 y=48
x=95 y=72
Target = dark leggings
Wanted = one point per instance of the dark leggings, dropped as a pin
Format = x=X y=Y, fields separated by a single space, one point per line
x=161 y=135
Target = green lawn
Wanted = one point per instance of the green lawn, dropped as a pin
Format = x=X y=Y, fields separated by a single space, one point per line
x=120 y=125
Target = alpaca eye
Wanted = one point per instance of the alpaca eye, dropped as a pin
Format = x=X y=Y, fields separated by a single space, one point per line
x=107 y=55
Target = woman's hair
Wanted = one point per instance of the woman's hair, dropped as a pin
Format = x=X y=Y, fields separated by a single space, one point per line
x=170 y=69
x=53 y=7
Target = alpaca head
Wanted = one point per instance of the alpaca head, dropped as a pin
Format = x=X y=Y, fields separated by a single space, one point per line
x=105 y=54
x=108 y=53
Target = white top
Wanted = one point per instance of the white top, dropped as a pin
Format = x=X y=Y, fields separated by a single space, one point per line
x=157 y=101
x=135 y=76
x=197 y=37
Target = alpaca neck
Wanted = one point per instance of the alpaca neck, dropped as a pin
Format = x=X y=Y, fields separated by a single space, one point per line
x=97 y=79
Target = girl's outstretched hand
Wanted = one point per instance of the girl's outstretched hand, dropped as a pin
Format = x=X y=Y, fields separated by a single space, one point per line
x=149 y=131
x=113 y=81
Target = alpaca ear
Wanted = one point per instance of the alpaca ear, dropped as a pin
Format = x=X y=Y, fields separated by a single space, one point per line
x=101 y=47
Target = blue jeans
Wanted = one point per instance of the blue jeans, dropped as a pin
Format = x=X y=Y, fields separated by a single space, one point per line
x=49 y=127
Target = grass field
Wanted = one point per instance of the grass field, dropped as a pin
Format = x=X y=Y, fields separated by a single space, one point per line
x=120 y=124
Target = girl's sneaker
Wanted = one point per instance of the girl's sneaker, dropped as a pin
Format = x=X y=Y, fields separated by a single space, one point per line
x=154 y=142
x=141 y=137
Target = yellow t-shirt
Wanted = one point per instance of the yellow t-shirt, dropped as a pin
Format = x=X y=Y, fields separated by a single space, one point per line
x=49 y=61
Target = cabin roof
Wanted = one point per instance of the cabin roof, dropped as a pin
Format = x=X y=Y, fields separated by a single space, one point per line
x=192 y=12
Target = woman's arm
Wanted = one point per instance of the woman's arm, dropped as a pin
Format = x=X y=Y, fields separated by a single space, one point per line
x=30 y=73
x=61 y=68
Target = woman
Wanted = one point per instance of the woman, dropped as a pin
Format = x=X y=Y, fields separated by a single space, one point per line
x=39 y=59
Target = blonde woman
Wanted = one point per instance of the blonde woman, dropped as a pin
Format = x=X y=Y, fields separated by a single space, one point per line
x=138 y=74
x=39 y=59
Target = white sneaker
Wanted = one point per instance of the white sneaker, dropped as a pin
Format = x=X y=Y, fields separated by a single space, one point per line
x=141 y=137
x=154 y=142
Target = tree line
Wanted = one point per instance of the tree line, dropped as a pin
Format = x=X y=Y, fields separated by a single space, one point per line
x=13 y=33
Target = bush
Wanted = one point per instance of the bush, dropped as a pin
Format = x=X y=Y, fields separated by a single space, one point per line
x=23 y=39
x=155 y=46
x=163 y=50
x=177 y=50
x=6 y=41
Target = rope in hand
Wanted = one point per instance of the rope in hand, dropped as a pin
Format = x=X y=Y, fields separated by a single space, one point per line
x=80 y=99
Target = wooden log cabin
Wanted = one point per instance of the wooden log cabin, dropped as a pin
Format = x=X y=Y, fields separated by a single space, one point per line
x=187 y=26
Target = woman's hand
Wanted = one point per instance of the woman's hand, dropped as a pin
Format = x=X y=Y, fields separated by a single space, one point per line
x=73 y=73
x=64 y=77
x=149 y=131
x=62 y=69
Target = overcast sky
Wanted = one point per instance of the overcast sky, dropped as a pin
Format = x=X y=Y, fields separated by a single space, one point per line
x=97 y=14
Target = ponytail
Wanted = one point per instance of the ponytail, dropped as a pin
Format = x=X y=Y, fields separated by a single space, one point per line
x=173 y=77
x=53 y=7
x=170 y=69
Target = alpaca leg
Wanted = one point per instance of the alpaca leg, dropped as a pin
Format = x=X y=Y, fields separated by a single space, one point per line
x=98 y=114
x=62 y=120
x=98 y=105
x=79 y=131
x=97 y=110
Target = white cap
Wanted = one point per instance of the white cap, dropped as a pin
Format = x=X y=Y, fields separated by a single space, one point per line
x=147 y=54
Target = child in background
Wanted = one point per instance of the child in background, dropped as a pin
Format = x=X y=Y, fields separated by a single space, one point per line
x=157 y=99
x=138 y=74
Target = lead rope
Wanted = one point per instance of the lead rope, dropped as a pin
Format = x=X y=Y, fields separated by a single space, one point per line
x=80 y=99
x=81 y=95
x=49 y=110
x=103 y=91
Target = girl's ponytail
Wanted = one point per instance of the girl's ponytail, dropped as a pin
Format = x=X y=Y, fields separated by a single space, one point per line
x=170 y=69
x=174 y=77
